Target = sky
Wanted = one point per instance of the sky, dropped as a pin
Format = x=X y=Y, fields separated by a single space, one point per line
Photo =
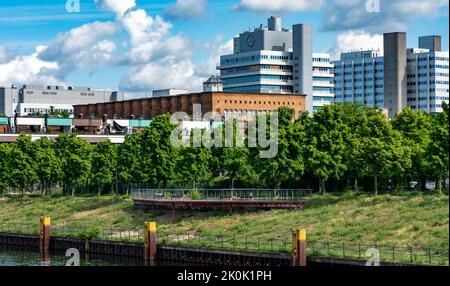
x=140 y=45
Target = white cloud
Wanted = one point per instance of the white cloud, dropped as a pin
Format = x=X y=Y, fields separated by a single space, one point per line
x=29 y=69
x=355 y=41
x=82 y=47
x=392 y=15
x=186 y=9
x=150 y=38
x=117 y=6
x=216 y=48
x=280 y=5
x=157 y=58
x=166 y=73
x=3 y=54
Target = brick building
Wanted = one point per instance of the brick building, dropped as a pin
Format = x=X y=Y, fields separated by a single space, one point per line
x=240 y=104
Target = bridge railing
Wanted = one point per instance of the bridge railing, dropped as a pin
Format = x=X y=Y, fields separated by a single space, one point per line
x=221 y=194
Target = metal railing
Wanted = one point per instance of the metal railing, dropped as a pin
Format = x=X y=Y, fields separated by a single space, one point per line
x=222 y=194
x=252 y=243
x=385 y=253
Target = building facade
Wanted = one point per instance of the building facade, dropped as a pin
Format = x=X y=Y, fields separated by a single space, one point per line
x=358 y=78
x=427 y=79
x=273 y=59
x=33 y=99
x=416 y=77
x=240 y=105
x=322 y=81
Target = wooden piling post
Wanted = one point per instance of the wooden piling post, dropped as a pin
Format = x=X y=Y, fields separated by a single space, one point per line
x=45 y=233
x=299 y=247
x=150 y=241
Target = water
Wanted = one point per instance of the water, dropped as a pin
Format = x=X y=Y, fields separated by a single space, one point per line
x=18 y=257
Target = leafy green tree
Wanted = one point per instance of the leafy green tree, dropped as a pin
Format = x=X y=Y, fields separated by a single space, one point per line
x=79 y=169
x=233 y=165
x=103 y=163
x=354 y=116
x=324 y=144
x=382 y=149
x=4 y=167
x=236 y=167
x=194 y=165
x=159 y=155
x=48 y=165
x=438 y=147
x=130 y=164
x=74 y=154
x=415 y=128
x=22 y=172
x=287 y=165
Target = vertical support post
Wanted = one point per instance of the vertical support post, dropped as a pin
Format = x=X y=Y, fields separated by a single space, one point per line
x=150 y=241
x=294 y=247
x=299 y=247
x=44 y=237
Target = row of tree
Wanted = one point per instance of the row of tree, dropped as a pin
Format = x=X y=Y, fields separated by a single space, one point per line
x=339 y=147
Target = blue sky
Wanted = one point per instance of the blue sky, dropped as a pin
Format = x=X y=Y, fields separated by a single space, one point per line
x=114 y=57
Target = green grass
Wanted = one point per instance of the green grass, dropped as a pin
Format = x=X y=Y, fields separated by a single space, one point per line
x=400 y=220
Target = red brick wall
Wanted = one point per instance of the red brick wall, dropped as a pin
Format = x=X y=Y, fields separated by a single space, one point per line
x=216 y=101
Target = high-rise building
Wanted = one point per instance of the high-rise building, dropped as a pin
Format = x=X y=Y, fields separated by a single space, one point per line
x=427 y=79
x=273 y=59
x=394 y=45
x=358 y=78
x=418 y=78
x=322 y=81
x=431 y=43
x=33 y=99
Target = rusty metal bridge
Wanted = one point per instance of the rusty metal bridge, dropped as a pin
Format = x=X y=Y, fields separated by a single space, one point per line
x=221 y=198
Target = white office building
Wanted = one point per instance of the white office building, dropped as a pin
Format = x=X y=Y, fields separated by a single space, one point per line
x=273 y=59
x=428 y=79
x=358 y=78
x=323 y=84
x=36 y=99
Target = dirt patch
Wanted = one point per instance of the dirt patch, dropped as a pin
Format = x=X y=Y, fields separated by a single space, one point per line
x=94 y=212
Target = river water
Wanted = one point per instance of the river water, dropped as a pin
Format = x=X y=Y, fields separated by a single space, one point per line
x=15 y=257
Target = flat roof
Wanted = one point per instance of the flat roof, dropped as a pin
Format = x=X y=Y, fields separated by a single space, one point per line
x=199 y=93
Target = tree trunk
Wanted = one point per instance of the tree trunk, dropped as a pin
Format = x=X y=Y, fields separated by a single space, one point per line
x=375 y=179
x=439 y=183
x=423 y=183
x=406 y=182
x=355 y=186
x=232 y=183
x=99 y=189
x=322 y=186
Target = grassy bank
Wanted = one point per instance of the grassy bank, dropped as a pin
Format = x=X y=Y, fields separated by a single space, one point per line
x=402 y=219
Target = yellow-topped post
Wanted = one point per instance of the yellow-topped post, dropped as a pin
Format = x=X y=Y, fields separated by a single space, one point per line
x=150 y=241
x=44 y=237
x=299 y=247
